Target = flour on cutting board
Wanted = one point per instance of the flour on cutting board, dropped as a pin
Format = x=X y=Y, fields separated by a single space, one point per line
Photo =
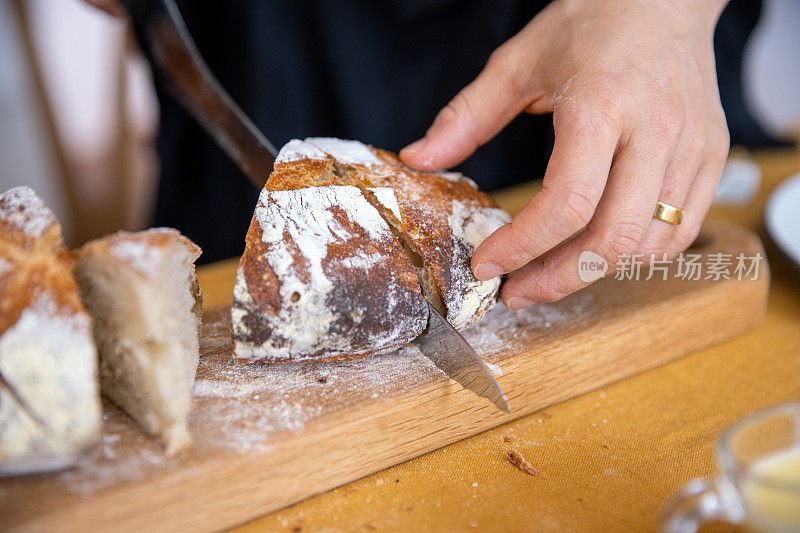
x=252 y=401
x=240 y=406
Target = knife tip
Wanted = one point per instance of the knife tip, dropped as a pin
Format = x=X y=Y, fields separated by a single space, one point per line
x=503 y=405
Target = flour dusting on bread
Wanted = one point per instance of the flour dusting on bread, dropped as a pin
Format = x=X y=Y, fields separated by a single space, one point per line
x=142 y=291
x=47 y=361
x=290 y=301
x=21 y=207
x=49 y=401
x=440 y=216
x=138 y=254
x=457 y=177
x=330 y=250
x=388 y=199
x=470 y=227
x=296 y=150
x=345 y=152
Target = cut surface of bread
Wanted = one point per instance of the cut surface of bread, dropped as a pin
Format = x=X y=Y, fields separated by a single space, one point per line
x=430 y=224
x=142 y=291
x=49 y=400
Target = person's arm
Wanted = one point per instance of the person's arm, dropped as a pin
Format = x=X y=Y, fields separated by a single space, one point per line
x=637 y=117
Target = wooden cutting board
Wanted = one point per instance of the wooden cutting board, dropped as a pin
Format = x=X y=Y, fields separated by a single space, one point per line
x=268 y=436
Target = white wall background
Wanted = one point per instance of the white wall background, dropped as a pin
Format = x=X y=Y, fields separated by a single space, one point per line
x=772 y=68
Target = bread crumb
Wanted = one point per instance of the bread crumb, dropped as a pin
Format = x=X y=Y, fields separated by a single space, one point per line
x=507 y=439
x=520 y=462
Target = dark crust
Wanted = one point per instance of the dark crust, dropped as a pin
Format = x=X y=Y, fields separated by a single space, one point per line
x=262 y=283
x=425 y=201
x=366 y=292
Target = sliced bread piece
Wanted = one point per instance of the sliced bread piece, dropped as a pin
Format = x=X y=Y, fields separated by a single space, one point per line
x=49 y=400
x=142 y=291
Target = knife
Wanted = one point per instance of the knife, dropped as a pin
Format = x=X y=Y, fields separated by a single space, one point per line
x=179 y=68
x=448 y=350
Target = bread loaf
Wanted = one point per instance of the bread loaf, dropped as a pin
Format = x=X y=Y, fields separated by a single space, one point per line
x=142 y=291
x=344 y=242
x=322 y=276
x=49 y=401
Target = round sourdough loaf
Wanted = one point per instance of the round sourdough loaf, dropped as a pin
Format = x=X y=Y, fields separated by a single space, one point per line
x=344 y=243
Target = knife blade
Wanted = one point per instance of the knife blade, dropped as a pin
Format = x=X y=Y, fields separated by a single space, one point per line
x=179 y=68
x=448 y=350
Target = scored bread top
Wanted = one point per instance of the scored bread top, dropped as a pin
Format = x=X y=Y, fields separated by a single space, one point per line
x=442 y=216
x=322 y=276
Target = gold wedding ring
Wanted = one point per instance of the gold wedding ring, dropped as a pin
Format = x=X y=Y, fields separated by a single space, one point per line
x=668 y=213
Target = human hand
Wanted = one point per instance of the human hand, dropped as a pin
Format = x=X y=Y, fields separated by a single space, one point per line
x=637 y=118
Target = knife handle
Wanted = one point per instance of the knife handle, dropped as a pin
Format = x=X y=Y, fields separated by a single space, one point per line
x=179 y=68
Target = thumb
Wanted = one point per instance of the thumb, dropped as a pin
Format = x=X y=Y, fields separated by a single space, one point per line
x=475 y=115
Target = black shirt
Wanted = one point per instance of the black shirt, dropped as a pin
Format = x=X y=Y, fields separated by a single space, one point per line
x=373 y=70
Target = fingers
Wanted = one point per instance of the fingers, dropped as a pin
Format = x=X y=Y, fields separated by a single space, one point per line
x=698 y=202
x=622 y=219
x=475 y=115
x=573 y=185
x=678 y=179
x=702 y=190
x=694 y=198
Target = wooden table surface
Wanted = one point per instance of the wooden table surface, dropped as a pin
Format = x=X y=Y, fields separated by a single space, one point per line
x=607 y=460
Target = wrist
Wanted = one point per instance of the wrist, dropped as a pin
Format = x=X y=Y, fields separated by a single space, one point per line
x=700 y=15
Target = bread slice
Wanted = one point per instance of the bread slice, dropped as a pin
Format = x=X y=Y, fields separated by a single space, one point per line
x=328 y=205
x=142 y=291
x=49 y=401
x=322 y=276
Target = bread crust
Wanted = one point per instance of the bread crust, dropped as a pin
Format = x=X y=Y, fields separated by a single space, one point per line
x=49 y=402
x=32 y=247
x=439 y=218
x=145 y=265
x=442 y=215
x=323 y=278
